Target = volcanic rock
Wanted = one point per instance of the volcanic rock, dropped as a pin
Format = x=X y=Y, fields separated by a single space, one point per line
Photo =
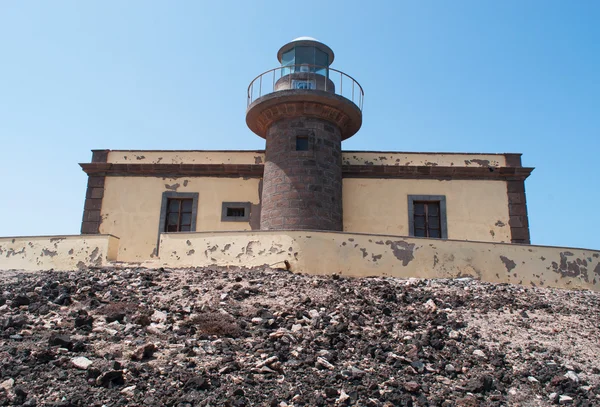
x=167 y=338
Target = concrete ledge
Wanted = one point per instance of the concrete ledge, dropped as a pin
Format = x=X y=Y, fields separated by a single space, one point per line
x=64 y=253
x=357 y=255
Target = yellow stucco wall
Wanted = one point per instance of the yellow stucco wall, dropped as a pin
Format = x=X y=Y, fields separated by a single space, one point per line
x=476 y=210
x=131 y=208
x=441 y=159
x=185 y=157
x=379 y=255
x=61 y=253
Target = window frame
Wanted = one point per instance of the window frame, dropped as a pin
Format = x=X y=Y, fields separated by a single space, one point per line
x=164 y=209
x=229 y=205
x=441 y=200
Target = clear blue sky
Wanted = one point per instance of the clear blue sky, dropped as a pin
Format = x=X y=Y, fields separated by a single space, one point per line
x=473 y=76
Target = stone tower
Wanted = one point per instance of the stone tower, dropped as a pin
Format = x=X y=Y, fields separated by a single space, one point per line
x=304 y=109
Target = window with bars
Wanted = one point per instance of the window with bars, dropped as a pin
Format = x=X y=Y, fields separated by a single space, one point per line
x=179 y=215
x=427 y=216
x=235 y=211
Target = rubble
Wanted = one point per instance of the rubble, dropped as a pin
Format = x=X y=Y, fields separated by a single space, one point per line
x=267 y=337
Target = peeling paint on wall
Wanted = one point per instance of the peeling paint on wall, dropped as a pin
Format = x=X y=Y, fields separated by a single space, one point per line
x=173 y=187
x=573 y=268
x=65 y=253
x=402 y=250
x=51 y=253
x=481 y=163
x=325 y=253
x=508 y=263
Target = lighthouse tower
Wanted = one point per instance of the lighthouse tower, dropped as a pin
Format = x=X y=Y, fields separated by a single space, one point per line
x=304 y=109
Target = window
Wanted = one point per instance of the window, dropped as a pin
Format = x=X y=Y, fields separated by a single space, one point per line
x=179 y=215
x=427 y=219
x=178 y=212
x=301 y=143
x=427 y=216
x=235 y=212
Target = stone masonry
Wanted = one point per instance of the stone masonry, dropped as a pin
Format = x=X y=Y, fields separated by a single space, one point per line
x=302 y=189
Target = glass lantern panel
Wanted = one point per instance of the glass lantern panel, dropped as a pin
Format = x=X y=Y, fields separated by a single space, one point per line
x=322 y=61
x=287 y=59
x=305 y=55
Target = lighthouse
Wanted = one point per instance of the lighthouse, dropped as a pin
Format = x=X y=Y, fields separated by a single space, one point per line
x=303 y=109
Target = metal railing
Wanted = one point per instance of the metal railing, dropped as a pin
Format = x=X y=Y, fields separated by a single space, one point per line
x=307 y=77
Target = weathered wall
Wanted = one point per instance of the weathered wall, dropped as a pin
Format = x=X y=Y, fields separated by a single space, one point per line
x=64 y=253
x=185 y=157
x=348 y=158
x=476 y=210
x=379 y=255
x=131 y=208
x=429 y=159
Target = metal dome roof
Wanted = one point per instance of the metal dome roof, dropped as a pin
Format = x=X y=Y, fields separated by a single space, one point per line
x=308 y=41
x=305 y=39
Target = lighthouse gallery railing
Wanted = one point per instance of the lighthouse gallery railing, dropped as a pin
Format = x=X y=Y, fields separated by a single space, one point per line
x=326 y=79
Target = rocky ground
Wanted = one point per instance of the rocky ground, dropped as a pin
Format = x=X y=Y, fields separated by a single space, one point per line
x=265 y=337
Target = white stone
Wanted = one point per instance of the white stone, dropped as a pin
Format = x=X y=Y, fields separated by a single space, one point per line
x=296 y=327
x=564 y=399
x=552 y=396
x=450 y=368
x=128 y=391
x=343 y=397
x=158 y=316
x=572 y=376
x=454 y=335
x=257 y=320
x=479 y=353
x=81 y=362
x=430 y=305
x=7 y=384
x=325 y=363
x=155 y=329
x=313 y=313
x=533 y=379
x=268 y=361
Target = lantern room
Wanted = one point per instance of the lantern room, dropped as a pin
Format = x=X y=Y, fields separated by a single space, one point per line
x=305 y=54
